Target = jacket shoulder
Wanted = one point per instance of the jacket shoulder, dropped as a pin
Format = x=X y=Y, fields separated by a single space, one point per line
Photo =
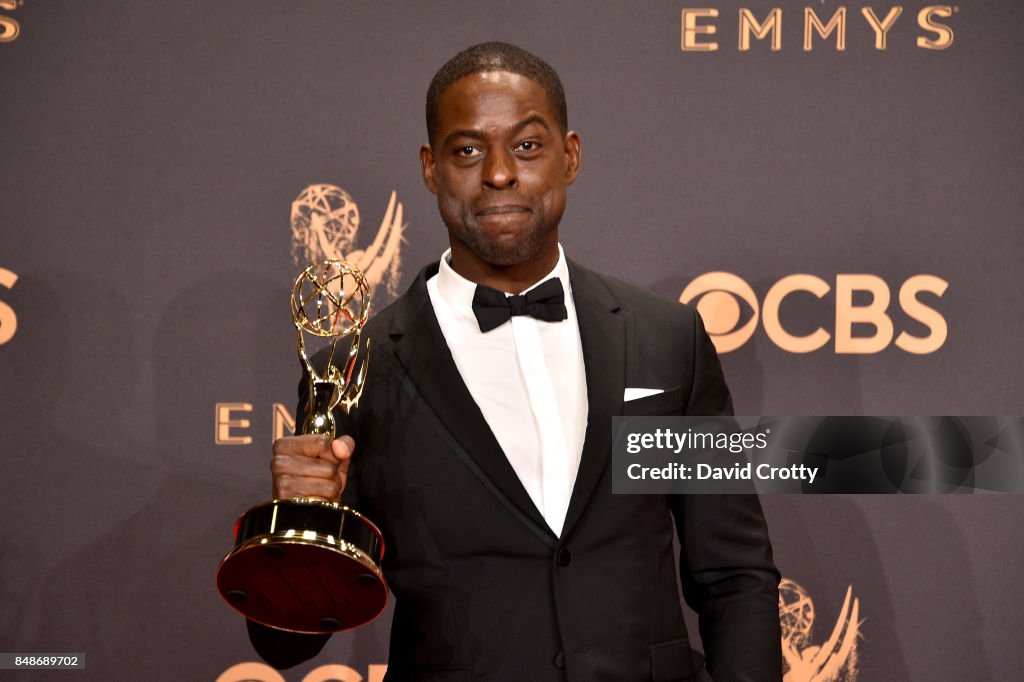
x=405 y=307
x=634 y=299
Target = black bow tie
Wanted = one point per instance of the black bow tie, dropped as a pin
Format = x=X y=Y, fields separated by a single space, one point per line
x=545 y=302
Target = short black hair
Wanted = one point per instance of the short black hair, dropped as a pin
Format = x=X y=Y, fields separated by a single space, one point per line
x=496 y=56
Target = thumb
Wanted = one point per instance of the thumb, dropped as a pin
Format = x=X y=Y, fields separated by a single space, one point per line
x=342 y=449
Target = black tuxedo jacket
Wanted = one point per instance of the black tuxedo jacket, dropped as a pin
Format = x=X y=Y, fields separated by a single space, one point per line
x=484 y=589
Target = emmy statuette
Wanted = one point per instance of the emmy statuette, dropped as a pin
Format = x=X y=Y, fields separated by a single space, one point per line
x=310 y=565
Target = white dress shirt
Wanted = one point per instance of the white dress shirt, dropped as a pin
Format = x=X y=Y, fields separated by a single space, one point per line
x=528 y=379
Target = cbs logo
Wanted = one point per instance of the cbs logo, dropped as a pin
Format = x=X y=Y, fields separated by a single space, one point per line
x=717 y=297
x=8 y=319
x=9 y=27
x=261 y=672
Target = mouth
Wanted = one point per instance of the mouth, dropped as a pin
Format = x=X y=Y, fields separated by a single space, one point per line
x=504 y=209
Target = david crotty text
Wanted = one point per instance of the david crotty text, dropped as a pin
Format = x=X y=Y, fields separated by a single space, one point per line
x=703 y=472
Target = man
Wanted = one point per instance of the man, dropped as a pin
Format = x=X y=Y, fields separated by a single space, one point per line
x=483 y=440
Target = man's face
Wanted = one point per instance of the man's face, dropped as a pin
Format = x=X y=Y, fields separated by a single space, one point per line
x=499 y=165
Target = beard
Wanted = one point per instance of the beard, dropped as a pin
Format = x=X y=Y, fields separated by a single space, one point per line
x=494 y=245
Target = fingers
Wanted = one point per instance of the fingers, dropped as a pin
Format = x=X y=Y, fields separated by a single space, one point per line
x=288 y=487
x=311 y=466
x=310 y=445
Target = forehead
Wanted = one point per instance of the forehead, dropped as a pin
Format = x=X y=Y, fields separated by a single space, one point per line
x=492 y=99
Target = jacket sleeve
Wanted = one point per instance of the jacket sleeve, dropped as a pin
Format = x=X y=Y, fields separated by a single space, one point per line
x=282 y=650
x=726 y=569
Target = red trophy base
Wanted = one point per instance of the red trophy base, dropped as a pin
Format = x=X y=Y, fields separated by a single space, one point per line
x=305 y=566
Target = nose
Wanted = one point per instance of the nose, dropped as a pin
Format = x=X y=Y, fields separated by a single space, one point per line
x=499 y=171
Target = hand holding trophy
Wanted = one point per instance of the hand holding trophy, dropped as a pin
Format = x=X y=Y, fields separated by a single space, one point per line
x=311 y=565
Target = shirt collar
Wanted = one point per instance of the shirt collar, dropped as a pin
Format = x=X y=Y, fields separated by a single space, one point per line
x=457 y=291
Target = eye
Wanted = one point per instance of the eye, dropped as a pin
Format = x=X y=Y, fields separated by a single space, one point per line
x=467 y=152
x=723 y=311
x=527 y=146
x=718 y=297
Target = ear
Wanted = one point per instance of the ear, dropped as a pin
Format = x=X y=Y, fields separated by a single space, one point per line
x=573 y=150
x=429 y=168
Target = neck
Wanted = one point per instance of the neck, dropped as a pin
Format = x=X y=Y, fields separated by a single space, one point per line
x=513 y=279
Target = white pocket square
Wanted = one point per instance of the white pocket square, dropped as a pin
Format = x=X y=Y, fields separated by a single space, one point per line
x=637 y=393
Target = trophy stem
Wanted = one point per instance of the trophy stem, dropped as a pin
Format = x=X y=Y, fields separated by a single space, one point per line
x=324 y=396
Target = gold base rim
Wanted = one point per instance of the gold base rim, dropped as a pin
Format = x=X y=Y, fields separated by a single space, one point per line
x=282 y=538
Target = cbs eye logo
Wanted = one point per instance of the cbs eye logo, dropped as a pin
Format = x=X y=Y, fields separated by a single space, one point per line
x=9 y=27
x=719 y=295
x=720 y=298
x=332 y=672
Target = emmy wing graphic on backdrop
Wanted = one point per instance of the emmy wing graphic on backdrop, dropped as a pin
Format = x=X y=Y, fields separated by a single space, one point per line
x=325 y=222
x=311 y=565
x=833 y=661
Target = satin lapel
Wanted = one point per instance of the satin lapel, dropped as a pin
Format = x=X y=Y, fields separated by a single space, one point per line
x=435 y=380
x=603 y=335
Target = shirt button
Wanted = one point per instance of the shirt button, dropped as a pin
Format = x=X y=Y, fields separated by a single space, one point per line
x=564 y=557
x=560 y=661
